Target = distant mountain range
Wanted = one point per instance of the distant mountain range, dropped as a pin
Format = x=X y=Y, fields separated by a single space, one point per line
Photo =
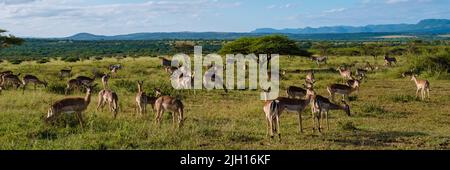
x=425 y=28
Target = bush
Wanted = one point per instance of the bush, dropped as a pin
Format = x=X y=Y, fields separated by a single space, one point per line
x=16 y=61
x=437 y=66
x=71 y=59
x=42 y=61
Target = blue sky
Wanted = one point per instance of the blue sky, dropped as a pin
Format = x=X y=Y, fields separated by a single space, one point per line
x=58 y=18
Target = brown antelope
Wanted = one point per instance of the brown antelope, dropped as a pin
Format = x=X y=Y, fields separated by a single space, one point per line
x=11 y=79
x=86 y=80
x=152 y=99
x=75 y=105
x=310 y=77
x=32 y=79
x=423 y=86
x=389 y=60
x=345 y=73
x=72 y=84
x=170 y=104
x=320 y=60
x=65 y=73
x=294 y=91
x=321 y=106
x=110 y=97
x=345 y=90
x=105 y=79
x=141 y=99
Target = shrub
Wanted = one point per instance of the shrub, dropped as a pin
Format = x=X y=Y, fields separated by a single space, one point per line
x=71 y=59
x=42 y=61
x=16 y=61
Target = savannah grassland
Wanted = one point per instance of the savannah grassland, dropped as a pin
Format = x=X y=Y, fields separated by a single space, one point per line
x=385 y=113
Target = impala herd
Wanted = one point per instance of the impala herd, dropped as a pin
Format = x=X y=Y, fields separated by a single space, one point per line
x=298 y=98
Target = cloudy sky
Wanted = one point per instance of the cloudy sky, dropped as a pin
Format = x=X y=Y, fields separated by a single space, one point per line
x=59 y=18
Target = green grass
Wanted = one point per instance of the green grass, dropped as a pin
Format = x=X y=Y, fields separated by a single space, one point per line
x=385 y=113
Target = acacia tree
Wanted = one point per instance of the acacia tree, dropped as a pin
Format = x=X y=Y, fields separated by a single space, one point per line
x=8 y=40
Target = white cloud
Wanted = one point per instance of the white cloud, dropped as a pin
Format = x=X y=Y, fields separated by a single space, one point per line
x=334 y=10
x=395 y=1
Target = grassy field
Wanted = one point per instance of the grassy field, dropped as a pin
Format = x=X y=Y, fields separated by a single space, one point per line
x=386 y=114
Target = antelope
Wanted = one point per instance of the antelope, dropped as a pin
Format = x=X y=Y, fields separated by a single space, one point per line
x=361 y=73
x=75 y=105
x=152 y=99
x=368 y=66
x=310 y=78
x=408 y=73
x=170 y=104
x=345 y=73
x=12 y=79
x=165 y=62
x=71 y=84
x=105 y=79
x=85 y=80
x=32 y=79
x=389 y=60
x=345 y=90
x=321 y=106
x=65 y=73
x=319 y=60
x=141 y=99
x=353 y=81
x=110 y=97
x=294 y=92
x=423 y=86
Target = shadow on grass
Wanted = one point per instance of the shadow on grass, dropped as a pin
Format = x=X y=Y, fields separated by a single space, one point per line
x=378 y=139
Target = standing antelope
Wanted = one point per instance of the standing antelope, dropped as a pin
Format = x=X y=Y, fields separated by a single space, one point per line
x=320 y=107
x=319 y=60
x=65 y=73
x=85 y=80
x=105 y=79
x=294 y=91
x=75 y=105
x=310 y=78
x=389 y=60
x=141 y=99
x=32 y=79
x=170 y=104
x=72 y=84
x=345 y=90
x=11 y=79
x=345 y=73
x=110 y=97
x=422 y=86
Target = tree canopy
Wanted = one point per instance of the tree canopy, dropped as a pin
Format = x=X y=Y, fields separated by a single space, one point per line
x=271 y=44
x=8 y=40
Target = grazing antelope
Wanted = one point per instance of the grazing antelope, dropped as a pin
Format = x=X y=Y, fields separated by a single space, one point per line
x=65 y=73
x=389 y=60
x=345 y=90
x=72 y=84
x=294 y=91
x=105 y=79
x=170 y=104
x=321 y=106
x=110 y=97
x=422 y=86
x=32 y=79
x=5 y=73
x=310 y=78
x=85 y=80
x=361 y=73
x=11 y=79
x=345 y=73
x=320 y=60
x=75 y=105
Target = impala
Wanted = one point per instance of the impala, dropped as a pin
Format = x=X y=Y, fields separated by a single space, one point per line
x=170 y=104
x=345 y=73
x=310 y=77
x=110 y=97
x=345 y=90
x=320 y=106
x=105 y=79
x=11 y=79
x=389 y=60
x=71 y=84
x=75 y=105
x=422 y=86
x=65 y=73
x=32 y=79
x=85 y=80
x=294 y=91
x=320 y=60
